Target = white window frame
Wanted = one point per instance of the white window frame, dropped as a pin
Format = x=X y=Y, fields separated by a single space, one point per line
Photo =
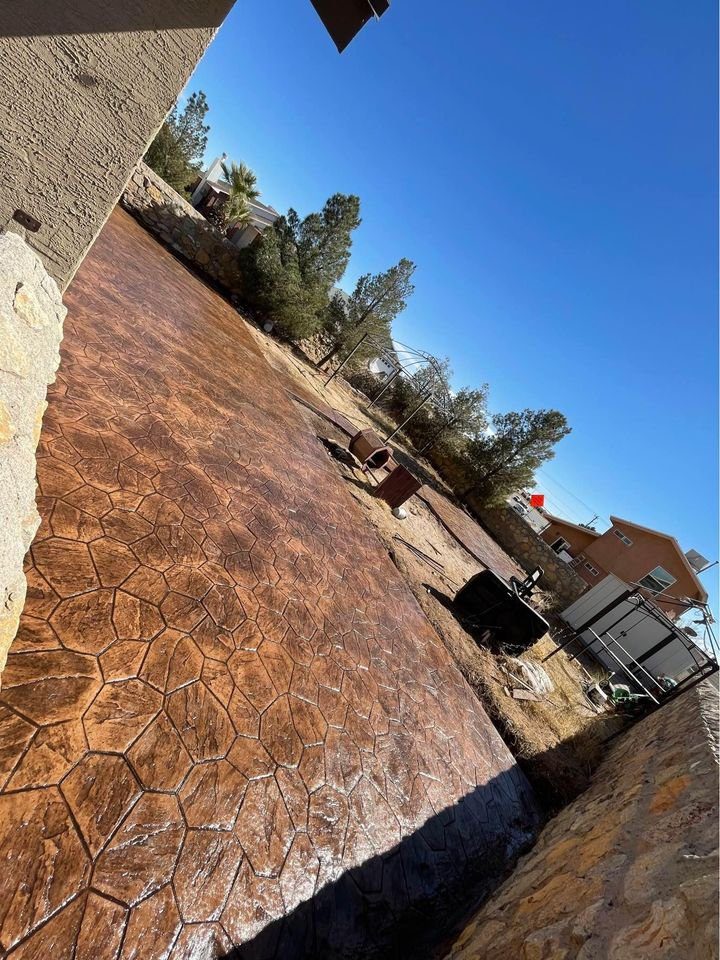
x=651 y=575
x=594 y=572
x=622 y=537
x=576 y=561
x=563 y=541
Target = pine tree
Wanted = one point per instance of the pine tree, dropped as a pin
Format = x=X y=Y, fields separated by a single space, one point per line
x=177 y=151
x=372 y=306
x=324 y=240
x=273 y=283
x=504 y=460
x=290 y=270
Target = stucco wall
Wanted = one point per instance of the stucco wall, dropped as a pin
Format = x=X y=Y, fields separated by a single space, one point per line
x=178 y=224
x=629 y=870
x=31 y=320
x=84 y=87
x=631 y=563
x=521 y=541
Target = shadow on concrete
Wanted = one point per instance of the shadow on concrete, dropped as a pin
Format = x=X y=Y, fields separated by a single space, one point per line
x=411 y=901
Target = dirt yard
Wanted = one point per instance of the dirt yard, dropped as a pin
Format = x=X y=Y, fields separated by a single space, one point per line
x=558 y=739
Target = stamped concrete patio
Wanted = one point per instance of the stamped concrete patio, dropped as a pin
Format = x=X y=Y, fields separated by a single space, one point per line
x=225 y=726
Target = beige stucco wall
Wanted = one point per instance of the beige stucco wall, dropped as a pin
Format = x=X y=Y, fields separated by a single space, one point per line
x=84 y=86
x=629 y=870
x=31 y=320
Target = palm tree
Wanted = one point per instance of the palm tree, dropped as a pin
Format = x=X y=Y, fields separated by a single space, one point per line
x=243 y=188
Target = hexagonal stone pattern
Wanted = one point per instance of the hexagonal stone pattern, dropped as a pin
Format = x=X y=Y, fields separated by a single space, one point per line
x=225 y=725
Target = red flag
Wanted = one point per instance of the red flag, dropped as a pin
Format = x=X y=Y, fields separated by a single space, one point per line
x=537 y=500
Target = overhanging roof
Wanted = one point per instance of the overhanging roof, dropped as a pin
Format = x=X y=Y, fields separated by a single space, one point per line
x=567 y=523
x=344 y=19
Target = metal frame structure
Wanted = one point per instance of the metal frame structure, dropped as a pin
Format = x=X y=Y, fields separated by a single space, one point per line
x=408 y=362
x=705 y=660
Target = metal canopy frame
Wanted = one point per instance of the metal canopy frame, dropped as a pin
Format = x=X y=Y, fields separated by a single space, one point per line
x=706 y=662
x=409 y=362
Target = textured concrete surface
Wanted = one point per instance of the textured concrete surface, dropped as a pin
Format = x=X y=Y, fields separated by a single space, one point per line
x=471 y=535
x=630 y=869
x=460 y=525
x=31 y=321
x=84 y=87
x=226 y=724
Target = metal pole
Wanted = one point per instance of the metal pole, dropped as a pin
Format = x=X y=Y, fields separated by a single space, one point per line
x=562 y=643
x=405 y=422
x=354 y=349
x=624 y=668
x=632 y=658
x=390 y=380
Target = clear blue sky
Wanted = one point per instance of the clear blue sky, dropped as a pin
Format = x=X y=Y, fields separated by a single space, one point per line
x=551 y=168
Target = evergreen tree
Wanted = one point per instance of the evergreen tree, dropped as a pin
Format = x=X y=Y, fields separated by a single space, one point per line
x=372 y=307
x=324 y=240
x=467 y=415
x=273 y=284
x=177 y=151
x=504 y=460
x=289 y=271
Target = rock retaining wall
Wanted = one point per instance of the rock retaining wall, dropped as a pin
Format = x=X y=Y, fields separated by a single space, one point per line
x=629 y=870
x=31 y=323
x=179 y=225
x=520 y=540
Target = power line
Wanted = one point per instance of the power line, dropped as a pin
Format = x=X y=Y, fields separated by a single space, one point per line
x=563 y=507
x=586 y=506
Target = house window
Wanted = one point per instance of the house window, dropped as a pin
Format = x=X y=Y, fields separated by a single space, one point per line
x=621 y=536
x=593 y=571
x=560 y=544
x=657 y=580
x=576 y=561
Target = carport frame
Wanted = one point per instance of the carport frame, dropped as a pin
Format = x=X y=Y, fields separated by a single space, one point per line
x=704 y=669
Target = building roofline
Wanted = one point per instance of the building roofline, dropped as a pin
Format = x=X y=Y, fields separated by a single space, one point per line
x=619 y=521
x=568 y=523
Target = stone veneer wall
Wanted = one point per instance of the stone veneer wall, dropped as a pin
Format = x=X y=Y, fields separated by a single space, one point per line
x=179 y=225
x=31 y=323
x=629 y=870
x=520 y=540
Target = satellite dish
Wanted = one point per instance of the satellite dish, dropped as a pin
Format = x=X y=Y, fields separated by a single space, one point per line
x=689 y=631
x=696 y=560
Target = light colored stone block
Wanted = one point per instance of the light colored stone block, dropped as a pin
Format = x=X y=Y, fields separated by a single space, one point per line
x=31 y=322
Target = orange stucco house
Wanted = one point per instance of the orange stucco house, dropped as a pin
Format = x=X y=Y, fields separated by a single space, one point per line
x=641 y=557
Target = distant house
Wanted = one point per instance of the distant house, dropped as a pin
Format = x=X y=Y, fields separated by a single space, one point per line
x=210 y=193
x=637 y=555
